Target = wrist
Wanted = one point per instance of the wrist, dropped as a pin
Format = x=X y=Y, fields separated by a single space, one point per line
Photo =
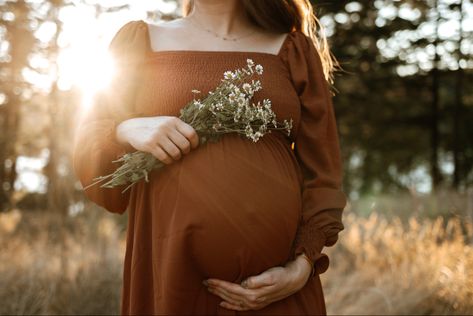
x=302 y=270
x=120 y=133
x=304 y=266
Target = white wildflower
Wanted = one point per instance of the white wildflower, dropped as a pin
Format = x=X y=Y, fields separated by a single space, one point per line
x=232 y=97
x=288 y=126
x=241 y=101
x=250 y=66
x=267 y=104
x=247 y=88
x=256 y=84
x=248 y=130
x=228 y=75
x=259 y=69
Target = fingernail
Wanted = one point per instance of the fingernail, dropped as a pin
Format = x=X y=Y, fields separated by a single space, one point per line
x=205 y=283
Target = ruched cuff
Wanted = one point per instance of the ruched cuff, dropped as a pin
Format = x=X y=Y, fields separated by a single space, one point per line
x=311 y=240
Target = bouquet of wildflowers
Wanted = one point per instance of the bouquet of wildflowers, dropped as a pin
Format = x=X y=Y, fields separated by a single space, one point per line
x=225 y=110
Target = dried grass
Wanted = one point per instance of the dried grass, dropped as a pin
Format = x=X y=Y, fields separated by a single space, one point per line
x=383 y=266
x=51 y=266
x=379 y=266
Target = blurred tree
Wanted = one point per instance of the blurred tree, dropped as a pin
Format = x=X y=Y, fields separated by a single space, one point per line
x=60 y=186
x=458 y=123
x=434 y=120
x=393 y=118
x=18 y=39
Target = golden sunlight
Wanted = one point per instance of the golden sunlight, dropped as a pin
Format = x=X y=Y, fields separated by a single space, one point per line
x=83 y=61
x=89 y=69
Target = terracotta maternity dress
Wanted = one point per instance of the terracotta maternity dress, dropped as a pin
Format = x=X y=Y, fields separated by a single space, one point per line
x=226 y=210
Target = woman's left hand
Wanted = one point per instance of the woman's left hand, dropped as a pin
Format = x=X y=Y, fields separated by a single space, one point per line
x=260 y=290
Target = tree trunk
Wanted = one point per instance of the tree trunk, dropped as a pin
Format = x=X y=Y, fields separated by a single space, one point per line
x=434 y=130
x=458 y=111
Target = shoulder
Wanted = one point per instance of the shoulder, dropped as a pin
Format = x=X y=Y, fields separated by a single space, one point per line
x=130 y=31
x=299 y=41
x=302 y=60
x=130 y=42
x=300 y=49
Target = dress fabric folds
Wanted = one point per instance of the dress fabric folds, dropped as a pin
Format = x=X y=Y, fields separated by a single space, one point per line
x=227 y=210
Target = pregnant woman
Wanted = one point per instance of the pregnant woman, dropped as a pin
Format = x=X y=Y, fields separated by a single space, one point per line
x=233 y=227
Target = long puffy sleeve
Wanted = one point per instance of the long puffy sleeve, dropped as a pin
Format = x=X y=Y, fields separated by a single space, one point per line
x=95 y=144
x=317 y=150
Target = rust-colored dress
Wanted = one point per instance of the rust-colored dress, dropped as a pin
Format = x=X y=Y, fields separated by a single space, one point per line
x=227 y=210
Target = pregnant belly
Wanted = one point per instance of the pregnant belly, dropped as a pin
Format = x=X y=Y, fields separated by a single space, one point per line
x=232 y=206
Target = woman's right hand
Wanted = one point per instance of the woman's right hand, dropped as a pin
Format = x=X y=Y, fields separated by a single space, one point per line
x=165 y=137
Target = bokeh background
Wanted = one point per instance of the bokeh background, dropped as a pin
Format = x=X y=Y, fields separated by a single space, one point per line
x=404 y=107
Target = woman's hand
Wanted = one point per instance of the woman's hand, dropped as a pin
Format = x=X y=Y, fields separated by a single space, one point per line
x=260 y=290
x=165 y=137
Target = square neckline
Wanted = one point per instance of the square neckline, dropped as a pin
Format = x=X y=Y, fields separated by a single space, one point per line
x=203 y=52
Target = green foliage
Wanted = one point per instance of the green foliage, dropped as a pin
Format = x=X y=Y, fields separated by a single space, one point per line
x=384 y=97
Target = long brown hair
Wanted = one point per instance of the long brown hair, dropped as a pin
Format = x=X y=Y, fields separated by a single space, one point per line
x=285 y=16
